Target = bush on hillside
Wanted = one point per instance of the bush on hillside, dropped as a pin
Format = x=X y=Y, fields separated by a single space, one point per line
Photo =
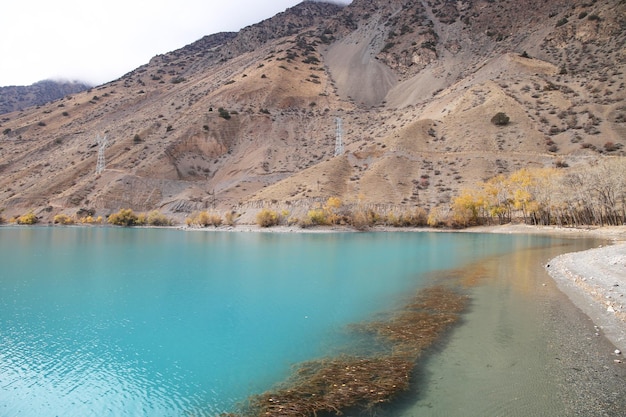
x=267 y=218
x=156 y=218
x=500 y=119
x=63 y=219
x=28 y=218
x=204 y=219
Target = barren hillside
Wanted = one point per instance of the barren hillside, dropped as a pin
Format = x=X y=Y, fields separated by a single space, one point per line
x=237 y=121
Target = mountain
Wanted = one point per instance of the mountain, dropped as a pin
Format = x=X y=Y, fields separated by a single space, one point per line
x=239 y=121
x=17 y=98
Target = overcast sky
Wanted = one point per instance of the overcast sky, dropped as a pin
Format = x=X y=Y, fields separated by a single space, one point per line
x=100 y=40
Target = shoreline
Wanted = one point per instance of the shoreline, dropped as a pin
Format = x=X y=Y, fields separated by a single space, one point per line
x=595 y=281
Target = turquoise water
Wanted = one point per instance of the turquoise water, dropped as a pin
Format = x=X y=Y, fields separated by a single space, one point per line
x=120 y=322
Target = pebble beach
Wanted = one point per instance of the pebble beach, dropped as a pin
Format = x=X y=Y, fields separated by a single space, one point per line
x=595 y=280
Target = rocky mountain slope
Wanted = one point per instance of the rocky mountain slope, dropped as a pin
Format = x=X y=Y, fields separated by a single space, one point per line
x=15 y=98
x=238 y=121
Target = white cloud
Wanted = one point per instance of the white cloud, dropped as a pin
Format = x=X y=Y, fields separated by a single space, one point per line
x=97 y=41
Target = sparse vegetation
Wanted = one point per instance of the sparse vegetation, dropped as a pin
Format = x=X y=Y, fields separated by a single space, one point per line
x=562 y=22
x=230 y=218
x=156 y=218
x=63 y=219
x=204 y=219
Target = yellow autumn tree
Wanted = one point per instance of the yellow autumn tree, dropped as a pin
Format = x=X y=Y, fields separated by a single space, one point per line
x=522 y=183
x=498 y=197
x=467 y=207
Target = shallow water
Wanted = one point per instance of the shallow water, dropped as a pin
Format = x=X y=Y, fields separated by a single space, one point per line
x=119 y=322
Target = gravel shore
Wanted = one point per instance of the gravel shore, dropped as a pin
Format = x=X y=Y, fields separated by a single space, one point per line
x=595 y=280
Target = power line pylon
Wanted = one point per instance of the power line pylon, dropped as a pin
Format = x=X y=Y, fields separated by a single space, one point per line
x=102 y=143
x=339 y=138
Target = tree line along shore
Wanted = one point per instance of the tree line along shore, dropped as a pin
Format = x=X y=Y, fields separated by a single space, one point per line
x=593 y=195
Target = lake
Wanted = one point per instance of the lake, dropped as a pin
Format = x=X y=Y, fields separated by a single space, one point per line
x=162 y=322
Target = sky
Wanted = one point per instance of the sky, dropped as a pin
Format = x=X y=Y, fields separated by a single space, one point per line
x=97 y=41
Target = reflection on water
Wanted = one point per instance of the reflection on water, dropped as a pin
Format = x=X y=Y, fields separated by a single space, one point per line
x=502 y=361
x=116 y=322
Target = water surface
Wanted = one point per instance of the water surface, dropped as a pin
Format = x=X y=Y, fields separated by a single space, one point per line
x=121 y=322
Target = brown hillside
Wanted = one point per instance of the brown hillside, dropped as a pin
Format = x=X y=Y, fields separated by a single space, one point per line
x=245 y=120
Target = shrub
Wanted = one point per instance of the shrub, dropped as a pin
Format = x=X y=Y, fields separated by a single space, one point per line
x=361 y=219
x=311 y=60
x=90 y=220
x=500 y=119
x=124 y=217
x=156 y=218
x=267 y=218
x=204 y=219
x=318 y=217
x=223 y=113
x=230 y=218
x=437 y=217
x=417 y=218
x=63 y=219
x=28 y=218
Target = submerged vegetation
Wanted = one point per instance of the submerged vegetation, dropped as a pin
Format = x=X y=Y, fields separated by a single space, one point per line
x=365 y=381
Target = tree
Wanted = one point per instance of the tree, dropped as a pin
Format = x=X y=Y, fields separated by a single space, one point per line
x=521 y=183
x=498 y=198
x=467 y=207
x=500 y=119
